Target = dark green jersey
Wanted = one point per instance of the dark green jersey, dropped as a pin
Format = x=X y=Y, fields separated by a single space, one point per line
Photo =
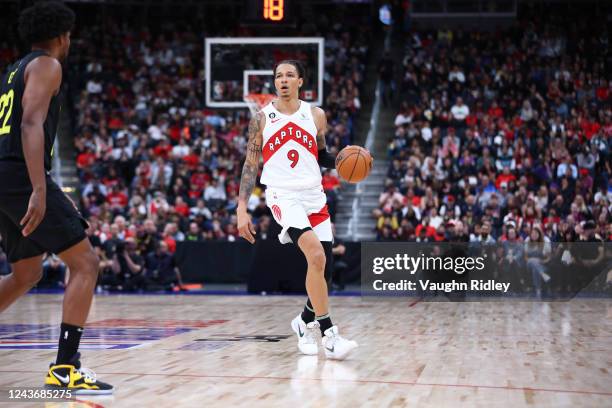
x=11 y=93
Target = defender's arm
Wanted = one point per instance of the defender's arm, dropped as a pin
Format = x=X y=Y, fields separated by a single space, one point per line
x=43 y=77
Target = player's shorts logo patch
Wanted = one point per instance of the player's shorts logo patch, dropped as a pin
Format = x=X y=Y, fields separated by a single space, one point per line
x=277 y=212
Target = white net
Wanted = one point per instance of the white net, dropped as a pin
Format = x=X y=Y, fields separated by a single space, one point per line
x=257 y=101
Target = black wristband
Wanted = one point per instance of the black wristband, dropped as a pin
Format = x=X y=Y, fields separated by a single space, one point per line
x=326 y=160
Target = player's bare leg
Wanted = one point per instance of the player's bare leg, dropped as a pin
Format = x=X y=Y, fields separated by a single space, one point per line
x=26 y=273
x=336 y=347
x=83 y=263
x=316 y=286
x=66 y=372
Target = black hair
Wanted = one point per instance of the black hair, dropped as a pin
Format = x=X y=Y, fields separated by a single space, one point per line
x=297 y=64
x=44 y=21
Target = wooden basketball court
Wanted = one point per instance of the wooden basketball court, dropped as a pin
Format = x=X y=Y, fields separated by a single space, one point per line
x=228 y=351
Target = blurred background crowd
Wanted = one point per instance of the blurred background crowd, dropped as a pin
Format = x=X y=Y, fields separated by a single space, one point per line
x=502 y=135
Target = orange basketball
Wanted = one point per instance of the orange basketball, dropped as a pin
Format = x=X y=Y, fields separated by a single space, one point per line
x=354 y=163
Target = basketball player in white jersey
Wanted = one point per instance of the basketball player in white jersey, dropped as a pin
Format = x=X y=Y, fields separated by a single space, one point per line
x=290 y=135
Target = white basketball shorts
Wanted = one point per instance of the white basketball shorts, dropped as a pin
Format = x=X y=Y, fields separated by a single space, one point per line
x=300 y=209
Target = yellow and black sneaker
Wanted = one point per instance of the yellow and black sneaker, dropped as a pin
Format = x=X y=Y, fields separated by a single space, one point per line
x=81 y=381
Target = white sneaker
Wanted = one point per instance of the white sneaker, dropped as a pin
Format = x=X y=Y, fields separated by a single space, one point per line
x=307 y=340
x=336 y=347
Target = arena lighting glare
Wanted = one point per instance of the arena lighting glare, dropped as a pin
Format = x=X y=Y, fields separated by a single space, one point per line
x=384 y=14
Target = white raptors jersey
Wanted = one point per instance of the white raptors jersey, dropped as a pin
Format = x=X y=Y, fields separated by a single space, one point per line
x=290 y=149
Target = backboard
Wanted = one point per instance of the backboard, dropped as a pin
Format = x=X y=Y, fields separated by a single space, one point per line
x=238 y=66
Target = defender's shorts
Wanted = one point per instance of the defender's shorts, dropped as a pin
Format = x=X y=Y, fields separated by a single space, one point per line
x=300 y=209
x=61 y=227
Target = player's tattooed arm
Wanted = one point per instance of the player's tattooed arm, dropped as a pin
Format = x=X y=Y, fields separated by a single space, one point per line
x=325 y=159
x=249 y=176
x=250 y=169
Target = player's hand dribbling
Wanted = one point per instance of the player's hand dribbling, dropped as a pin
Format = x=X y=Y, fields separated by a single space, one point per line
x=37 y=207
x=245 y=226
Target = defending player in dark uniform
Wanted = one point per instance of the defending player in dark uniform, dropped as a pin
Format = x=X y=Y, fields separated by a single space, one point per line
x=35 y=215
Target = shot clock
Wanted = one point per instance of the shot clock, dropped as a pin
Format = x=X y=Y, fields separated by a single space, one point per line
x=268 y=12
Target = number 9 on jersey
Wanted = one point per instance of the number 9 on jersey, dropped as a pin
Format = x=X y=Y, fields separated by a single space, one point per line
x=294 y=156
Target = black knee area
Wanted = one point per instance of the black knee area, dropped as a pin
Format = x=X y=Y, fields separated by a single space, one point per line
x=329 y=260
x=296 y=233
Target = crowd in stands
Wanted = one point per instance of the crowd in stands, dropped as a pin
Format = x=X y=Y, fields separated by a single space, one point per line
x=502 y=135
x=156 y=166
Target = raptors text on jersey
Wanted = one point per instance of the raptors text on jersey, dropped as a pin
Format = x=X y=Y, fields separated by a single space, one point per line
x=290 y=149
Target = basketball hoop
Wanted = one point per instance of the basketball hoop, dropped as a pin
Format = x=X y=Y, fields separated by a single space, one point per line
x=257 y=101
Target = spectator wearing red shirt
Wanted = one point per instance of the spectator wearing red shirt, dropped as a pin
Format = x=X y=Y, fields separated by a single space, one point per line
x=424 y=232
x=552 y=218
x=589 y=127
x=170 y=241
x=331 y=186
x=175 y=132
x=192 y=159
x=440 y=234
x=115 y=123
x=412 y=198
x=200 y=178
x=505 y=177
x=429 y=230
x=495 y=111
x=163 y=149
x=603 y=91
x=181 y=207
x=471 y=120
x=117 y=199
x=194 y=192
x=330 y=181
x=86 y=159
